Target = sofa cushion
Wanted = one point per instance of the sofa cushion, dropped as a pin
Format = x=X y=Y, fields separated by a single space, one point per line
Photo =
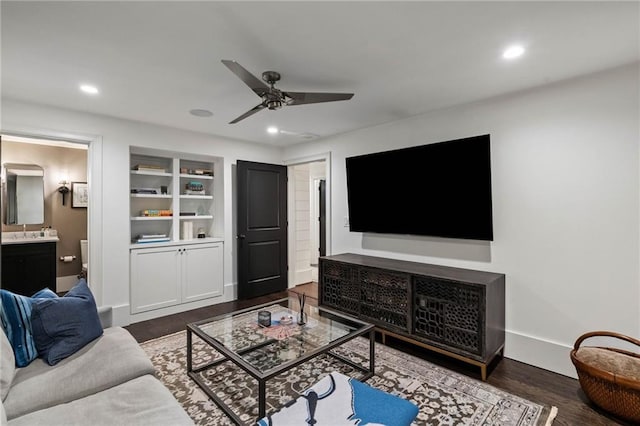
x=15 y=313
x=63 y=325
x=141 y=401
x=108 y=361
x=7 y=365
x=3 y=415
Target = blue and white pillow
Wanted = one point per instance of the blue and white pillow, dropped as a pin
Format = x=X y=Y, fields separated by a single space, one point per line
x=15 y=314
x=338 y=400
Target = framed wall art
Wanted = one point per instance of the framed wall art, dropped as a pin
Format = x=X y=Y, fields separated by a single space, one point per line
x=79 y=194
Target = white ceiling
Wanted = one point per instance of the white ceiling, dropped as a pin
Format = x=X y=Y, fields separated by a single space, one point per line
x=155 y=61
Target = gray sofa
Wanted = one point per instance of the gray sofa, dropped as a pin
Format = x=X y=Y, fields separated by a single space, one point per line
x=109 y=381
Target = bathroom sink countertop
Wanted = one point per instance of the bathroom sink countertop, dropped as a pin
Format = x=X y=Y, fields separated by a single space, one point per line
x=28 y=238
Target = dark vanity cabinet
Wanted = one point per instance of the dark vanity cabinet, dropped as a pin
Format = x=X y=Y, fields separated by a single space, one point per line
x=453 y=311
x=28 y=268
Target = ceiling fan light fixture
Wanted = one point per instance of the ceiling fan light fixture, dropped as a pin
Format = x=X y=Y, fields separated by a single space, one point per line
x=273 y=98
x=274 y=104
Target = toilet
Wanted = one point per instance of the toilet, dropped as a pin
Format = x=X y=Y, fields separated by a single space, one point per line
x=84 y=245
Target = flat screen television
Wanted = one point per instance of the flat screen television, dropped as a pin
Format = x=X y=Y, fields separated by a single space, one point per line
x=440 y=189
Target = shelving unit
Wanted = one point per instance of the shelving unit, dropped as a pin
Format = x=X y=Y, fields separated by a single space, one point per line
x=168 y=174
x=183 y=269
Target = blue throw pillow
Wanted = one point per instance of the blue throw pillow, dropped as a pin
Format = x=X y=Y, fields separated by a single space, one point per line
x=45 y=293
x=15 y=313
x=65 y=325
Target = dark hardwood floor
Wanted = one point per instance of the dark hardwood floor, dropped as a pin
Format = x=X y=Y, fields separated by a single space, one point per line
x=521 y=379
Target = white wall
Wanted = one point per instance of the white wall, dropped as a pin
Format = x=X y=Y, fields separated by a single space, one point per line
x=566 y=185
x=565 y=171
x=111 y=183
x=301 y=268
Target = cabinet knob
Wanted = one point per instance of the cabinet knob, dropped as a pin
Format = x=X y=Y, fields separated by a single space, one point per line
x=241 y=236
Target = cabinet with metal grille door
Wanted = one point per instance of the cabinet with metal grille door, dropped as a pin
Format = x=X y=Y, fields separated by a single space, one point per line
x=453 y=311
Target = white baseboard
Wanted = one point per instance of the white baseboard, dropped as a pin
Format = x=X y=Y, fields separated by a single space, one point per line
x=302 y=276
x=552 y=356
x=66 y=283
x=122 y=313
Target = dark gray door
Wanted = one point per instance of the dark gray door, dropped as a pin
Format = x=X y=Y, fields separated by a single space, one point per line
x=322 y=220
x=262 y=228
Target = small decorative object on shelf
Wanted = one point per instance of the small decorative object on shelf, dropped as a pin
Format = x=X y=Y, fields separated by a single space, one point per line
x=203 y=172
x=201 y=233
x=194 y=185
x=194 y=188
x=155 y=213
x=302 y=317
x=264 y=318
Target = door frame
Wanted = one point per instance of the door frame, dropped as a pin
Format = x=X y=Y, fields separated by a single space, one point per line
x=326 y=157
x=94 y=178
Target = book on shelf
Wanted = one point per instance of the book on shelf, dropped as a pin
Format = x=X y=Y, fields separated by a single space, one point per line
x=155 y=213
x=201 y=172
x=145 y=190
x=149 y=168
x=152 y=238
x=187 y=213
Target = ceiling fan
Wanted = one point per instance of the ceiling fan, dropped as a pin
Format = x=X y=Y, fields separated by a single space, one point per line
x=273 y=98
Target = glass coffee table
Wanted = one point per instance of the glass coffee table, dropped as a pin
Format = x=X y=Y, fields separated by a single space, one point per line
x=265 y=352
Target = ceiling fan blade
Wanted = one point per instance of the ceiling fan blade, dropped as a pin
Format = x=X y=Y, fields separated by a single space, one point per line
x=257 y=85
x=301 y=98
x=248 y=113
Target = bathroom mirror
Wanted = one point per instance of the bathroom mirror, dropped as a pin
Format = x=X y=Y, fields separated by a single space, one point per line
x=25 y=194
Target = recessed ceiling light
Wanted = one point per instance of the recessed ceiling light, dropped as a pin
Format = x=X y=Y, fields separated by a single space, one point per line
x=87 y=88
x=201 y=112
x=272 y=130
x=513 y=52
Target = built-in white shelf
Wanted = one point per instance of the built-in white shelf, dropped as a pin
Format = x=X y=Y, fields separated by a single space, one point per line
x=178 y=197
x=204 y=177
x=199 y=217
x=150 y=173
x=151 y=196
x=196 y=197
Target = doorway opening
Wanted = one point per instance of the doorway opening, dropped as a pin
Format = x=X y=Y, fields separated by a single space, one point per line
x=308 y=203
x=65 y=170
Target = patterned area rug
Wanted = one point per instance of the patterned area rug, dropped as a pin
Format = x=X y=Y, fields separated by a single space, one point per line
x=444 y=397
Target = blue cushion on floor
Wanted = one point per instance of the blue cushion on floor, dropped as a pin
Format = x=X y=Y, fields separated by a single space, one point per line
x=340 y=400
x=64 y=325
x=15 y=313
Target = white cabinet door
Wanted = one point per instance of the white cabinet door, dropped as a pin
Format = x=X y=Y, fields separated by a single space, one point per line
x=155 y=278
x=202 y=275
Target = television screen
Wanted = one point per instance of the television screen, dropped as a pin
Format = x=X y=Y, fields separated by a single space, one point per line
x=440 y=189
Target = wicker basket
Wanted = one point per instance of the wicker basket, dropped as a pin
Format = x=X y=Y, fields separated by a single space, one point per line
x=614 y=393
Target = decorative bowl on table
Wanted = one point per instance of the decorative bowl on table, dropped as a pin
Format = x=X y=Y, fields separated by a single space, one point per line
x=286 y=320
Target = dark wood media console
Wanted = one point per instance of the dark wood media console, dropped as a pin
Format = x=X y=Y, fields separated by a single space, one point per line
x=453 y=311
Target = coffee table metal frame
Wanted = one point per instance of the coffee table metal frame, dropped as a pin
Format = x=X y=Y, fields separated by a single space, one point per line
x=262 y=377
